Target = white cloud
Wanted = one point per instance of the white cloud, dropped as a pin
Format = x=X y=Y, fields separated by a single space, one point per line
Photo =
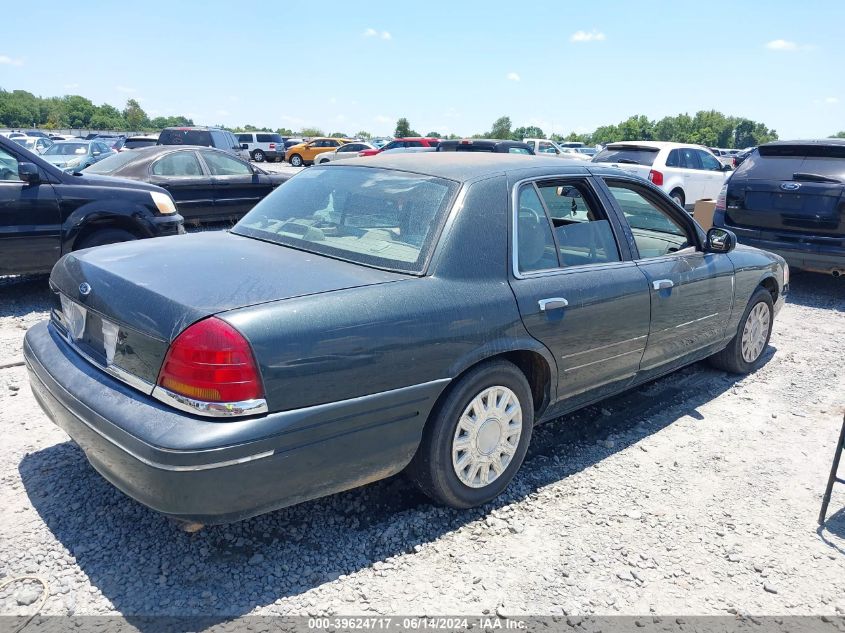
x=831 y=99
x=584 y=36
x=380 y=118
x=11 y=61
x=512 y=76
x=332 y=100
x=223 y=112
x=782 y=45
x=125 y=89
x=385 y=35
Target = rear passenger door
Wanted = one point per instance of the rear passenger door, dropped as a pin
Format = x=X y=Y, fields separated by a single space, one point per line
x=691 y=291
x=577 y=289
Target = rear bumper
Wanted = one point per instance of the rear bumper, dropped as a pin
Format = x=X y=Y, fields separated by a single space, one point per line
x=807 y=255
x=214 y=471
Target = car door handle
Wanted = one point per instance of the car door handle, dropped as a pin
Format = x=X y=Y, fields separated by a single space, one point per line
x=552 y=304
x=662 y=284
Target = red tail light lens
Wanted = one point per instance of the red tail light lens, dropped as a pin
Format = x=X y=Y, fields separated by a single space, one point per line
x=656 y=177
x=722 y=200
x=272 y=146
x=211 y=361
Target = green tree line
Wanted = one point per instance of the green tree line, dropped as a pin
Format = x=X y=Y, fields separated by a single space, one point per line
x=20 y=109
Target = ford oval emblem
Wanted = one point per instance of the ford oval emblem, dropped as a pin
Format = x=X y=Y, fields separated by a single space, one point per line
x=84 y=289
x=791 y=186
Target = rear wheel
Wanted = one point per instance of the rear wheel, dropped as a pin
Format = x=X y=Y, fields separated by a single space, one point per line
x=258 y=156
x=745 y=351
x=296 y=160
x=678 y=196
x=476 y=439
x=106 y=236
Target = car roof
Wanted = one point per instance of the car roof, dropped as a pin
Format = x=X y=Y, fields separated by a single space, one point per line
x=831 y=142
x=653 y=144
x=465 y=166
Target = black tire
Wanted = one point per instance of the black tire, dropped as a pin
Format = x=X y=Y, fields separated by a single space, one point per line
x=731 y=358
x=106 y=236
x=432 y=468
x=678 y=196
x=258 y=156
x=296 y=161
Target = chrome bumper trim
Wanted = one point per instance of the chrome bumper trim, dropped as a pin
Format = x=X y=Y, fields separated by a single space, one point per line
x=210 y=409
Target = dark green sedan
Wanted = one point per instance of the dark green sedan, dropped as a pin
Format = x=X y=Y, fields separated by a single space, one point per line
x=377 y=315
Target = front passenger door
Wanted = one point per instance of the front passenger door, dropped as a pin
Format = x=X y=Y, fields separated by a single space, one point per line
x=691 y=291
x=237 y=188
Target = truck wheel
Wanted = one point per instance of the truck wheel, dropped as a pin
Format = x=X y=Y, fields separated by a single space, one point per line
x=476 y=439
x=743 y=353
x=258 y=156
x=106 y=236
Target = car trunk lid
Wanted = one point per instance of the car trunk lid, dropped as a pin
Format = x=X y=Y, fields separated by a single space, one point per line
x=122 y=305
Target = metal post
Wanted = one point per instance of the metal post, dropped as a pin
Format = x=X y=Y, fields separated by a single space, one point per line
x=834 y=471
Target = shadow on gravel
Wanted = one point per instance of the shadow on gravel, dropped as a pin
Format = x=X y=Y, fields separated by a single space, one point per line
x=21 y=295
x=835 y=524
x=816 y=291
x=144 y=565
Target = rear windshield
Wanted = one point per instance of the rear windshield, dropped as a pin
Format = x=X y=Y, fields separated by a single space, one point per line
x=130 y=144
x=67 y=149
x=783 y=162
x=269 y=138
x=111 y=164
x=376 y=217
x=185 y=137
x=629 y=155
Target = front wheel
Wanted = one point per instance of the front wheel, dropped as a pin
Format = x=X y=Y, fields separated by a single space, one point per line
x=745 y=351
x=476 y=439
x=106 y=236
x=296 y=160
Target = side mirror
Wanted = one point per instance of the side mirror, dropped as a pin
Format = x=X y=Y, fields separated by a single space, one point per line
x=719 y=241
x=28 y=172
x=727 y=168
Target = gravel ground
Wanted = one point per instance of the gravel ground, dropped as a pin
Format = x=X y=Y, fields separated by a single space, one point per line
x=696 y=494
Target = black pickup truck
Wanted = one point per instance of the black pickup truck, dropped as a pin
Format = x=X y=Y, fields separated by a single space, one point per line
x=46 y=212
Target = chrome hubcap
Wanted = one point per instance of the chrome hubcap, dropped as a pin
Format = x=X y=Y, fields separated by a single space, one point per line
x=755 y=332
x=487 y=436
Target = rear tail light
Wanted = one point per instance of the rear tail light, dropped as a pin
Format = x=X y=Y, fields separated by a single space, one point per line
x=211 y=366
x=722 y=199
x=272 y=146
x=656 y=177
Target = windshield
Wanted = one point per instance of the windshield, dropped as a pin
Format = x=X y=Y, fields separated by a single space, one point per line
x=625 y=154
x=111 y=164
x=376 y=217
x=67 y=149
x=28 y=143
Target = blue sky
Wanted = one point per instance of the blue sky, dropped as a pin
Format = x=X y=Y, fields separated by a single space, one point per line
x=451 y=67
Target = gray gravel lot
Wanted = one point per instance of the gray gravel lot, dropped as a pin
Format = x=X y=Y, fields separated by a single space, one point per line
x=696 y=494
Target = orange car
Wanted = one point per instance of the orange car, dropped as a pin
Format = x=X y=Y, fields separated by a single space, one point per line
x=304 y=153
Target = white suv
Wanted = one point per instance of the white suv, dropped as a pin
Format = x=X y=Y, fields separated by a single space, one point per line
x=686 y=172
x=544 y=146
x=263 y=146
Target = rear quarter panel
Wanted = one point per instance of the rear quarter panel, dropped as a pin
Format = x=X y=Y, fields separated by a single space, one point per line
x=752 y=266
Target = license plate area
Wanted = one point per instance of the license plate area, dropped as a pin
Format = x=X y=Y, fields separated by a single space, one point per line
x=95 y=336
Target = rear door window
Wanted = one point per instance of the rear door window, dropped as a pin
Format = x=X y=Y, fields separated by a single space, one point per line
x=630 y=155
x=182 y=164
x=689 y=158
